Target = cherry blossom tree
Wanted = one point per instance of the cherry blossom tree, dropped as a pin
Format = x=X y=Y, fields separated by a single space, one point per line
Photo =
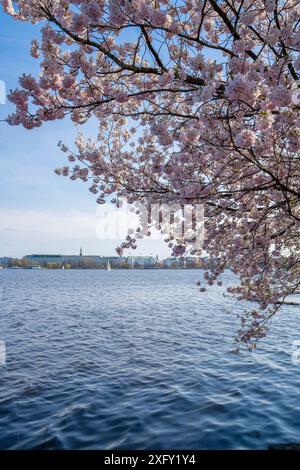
x=197 y=103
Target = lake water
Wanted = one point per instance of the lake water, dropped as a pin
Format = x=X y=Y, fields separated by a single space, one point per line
x=139 y=360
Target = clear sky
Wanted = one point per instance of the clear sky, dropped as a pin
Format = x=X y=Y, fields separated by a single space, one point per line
x=39 y=211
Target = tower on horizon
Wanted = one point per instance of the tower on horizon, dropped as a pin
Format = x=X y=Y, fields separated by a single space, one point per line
x=80 y=253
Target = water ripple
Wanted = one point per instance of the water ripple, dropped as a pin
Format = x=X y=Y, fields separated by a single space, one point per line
x=138 y=360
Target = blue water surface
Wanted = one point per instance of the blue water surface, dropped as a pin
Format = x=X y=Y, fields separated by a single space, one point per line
x=139 y=360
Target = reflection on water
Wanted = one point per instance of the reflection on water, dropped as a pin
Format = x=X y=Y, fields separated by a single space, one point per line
x=138 y=360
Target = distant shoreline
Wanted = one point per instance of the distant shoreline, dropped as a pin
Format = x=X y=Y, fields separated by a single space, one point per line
x=103 y=269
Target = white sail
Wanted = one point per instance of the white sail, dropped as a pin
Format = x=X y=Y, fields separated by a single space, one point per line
x=108 y=267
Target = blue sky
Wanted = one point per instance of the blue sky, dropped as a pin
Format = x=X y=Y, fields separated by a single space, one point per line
x=39 y=211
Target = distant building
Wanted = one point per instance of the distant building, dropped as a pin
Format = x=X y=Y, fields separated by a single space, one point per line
x=188 y=262
x=115 y=261
x=81 y=262
x=172 y=262
x=6 y=262
x=43 y=259
x=75 y=261
x=143 y=262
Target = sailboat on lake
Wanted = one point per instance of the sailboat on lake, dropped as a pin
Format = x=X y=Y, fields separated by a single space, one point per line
x=108 y=266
